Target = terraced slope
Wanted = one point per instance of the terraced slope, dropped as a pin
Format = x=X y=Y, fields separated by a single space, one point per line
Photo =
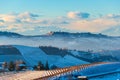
x=9 y=53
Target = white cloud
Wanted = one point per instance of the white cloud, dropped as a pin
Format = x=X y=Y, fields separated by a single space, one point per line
x=96 y=25
x=78 y=21
x=115 y=16
x=19 y=22
x=8 y=18
x=79 y=15
x=21 y=17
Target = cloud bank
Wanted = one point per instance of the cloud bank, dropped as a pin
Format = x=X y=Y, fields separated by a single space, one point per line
x=27 y=22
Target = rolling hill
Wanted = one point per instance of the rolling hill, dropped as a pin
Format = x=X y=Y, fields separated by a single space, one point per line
x=55 y=56
x=72 y=41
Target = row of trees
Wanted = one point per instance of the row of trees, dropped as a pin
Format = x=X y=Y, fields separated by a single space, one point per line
x=21 y=65
x=41 y=66
x=12 y=66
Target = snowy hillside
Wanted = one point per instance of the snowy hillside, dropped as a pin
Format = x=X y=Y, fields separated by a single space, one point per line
x=54 y=56
x=95 y=71
x=95 y=57
x=113 y=53
x=69 y=61
x=9 y=53
x=33 y=55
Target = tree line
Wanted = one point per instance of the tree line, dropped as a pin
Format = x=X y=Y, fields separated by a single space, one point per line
x=14 y=66
x=41 y=66
x=21 y=65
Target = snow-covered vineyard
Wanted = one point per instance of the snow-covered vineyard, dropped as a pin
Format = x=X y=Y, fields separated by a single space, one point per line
x=88 y=70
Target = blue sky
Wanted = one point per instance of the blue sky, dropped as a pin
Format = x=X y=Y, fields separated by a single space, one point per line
x=60 y=7
x=50 y=10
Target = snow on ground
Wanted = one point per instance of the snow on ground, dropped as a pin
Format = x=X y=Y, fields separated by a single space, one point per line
x=68 y=61
x=6 y=58
x=115 y=76
x=101 y=71
x=28 y=75
x=33 y=55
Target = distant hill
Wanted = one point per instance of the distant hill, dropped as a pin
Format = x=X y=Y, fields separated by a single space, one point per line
x=87 y=34
x=78 y=41
x=10 y=34
x=65 y=34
